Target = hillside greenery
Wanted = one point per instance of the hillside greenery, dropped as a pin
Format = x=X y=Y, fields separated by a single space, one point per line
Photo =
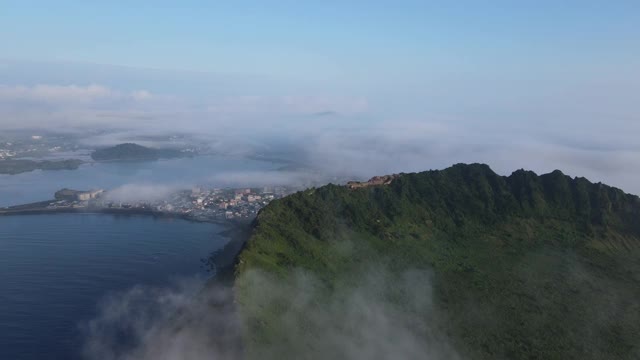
x=523 y=267
x=17 y=166
x=134 y=152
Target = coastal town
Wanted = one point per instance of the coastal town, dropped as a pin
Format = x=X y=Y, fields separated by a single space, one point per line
x=36 y=145
x=198 y=203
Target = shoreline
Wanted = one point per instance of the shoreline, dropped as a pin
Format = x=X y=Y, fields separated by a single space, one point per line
x=23 y=210
x=223 y=260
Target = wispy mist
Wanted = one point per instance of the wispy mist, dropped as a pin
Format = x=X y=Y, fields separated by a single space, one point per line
x=378 y=314
x=268 y=178
x=140 y=192
x=183 y=321
x=381 y=315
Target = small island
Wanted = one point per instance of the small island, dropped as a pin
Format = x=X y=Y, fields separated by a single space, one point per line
x=17 y=166
x=134 y=152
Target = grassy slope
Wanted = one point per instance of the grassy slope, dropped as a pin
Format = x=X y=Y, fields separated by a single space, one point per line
x=524 y=266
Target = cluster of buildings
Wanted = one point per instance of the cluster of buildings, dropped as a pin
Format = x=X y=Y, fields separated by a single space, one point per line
x=6 y=154
x=75 y=195
x=25 y=145
x=231 y=203
x=197 y=203
x=74 y=199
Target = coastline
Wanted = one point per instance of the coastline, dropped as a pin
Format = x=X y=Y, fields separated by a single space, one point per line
x=29 y=210
x=223 y=260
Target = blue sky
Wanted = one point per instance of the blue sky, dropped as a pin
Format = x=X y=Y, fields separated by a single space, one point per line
x=472 y=80
x=395 y=40
x=403 y=51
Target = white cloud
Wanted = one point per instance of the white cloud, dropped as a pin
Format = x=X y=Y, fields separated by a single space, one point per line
x=187 y=321
x=67 y=94
x=290 y=104
x=184 y=321
x=140 y=192
x=50 y=105
x=141 y=95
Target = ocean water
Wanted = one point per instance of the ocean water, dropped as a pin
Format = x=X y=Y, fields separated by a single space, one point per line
x=55 y=269
x=185 y=172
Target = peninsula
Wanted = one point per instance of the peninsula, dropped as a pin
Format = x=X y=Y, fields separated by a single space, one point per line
x=18 y=166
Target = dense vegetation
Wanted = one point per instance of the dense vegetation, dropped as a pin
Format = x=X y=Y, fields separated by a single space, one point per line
x=13 y=167
x=133 y=152
x=523 y=267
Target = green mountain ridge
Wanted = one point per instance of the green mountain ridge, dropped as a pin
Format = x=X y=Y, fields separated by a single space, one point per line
x=517 y=267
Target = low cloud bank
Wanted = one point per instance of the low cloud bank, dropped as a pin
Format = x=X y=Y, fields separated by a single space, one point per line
x=381 y=315
x=90 y=106
x=402 y=147
x=159 y=191
x=377 y=314
x=336 y=156
x=268 y=178
x=68 y=94
x=182 y=321
x=349 y=135
x=140 y=193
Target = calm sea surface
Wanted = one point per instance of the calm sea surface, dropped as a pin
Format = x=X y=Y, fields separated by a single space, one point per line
x=54 y=269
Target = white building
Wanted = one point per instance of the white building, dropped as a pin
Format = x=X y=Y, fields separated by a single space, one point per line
x=88 y=195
